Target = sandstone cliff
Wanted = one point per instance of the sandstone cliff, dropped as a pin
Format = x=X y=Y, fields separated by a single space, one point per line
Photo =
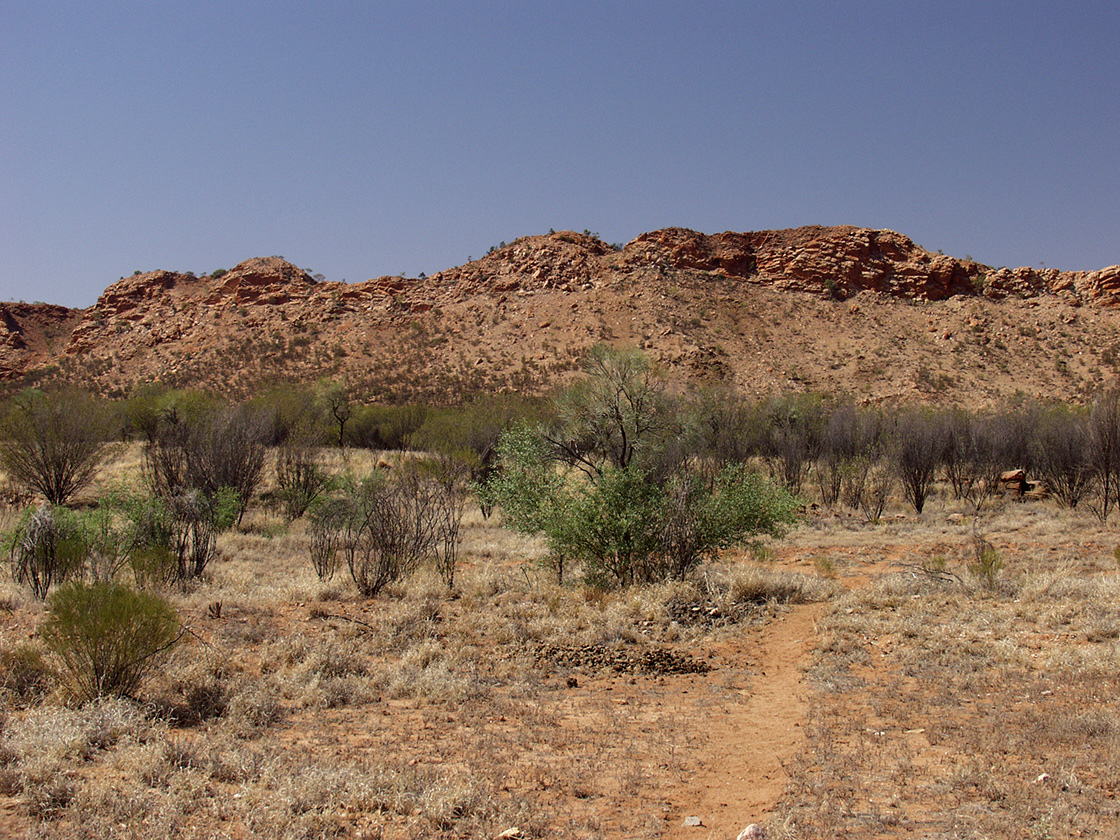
x=827 y=308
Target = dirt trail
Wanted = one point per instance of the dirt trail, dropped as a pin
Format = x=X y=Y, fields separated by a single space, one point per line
x=742 y=773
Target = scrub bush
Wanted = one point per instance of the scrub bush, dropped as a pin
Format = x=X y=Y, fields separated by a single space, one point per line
x=107 y=637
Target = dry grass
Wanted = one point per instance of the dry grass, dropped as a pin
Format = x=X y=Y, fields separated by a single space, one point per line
x=941 y=707
x=950 y=708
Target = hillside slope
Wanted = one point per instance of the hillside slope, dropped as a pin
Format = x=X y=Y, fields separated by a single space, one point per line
x=816 y=308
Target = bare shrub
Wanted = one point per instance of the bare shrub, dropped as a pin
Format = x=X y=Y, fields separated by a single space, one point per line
x=25 y=675
x=977 y=451
x=792 y=437
x=332 y=527
x=385 y=528
x=395 y=534
x=849 y=443
x=1104 y=439
x=298 y=472
x=1061 y=448
x=53 y=444
x=218 y=449
x=47 y=547
x=920 y=441
x=878 y=484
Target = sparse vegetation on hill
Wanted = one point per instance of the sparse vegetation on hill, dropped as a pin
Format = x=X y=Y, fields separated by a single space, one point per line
x=842 y=309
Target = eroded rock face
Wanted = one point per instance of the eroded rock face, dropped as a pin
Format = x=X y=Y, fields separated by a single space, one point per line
x=731 y=254
x=268 y=280
x=837 y=261
x=526 y=313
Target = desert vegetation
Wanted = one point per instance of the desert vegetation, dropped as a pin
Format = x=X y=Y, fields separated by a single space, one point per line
x=573 y=617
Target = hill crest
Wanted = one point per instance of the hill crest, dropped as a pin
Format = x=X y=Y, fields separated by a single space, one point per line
x=840 y=308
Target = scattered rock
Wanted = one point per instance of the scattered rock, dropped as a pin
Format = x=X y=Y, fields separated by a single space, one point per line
x=692 y=822
x=620 y=659
x=752 y=832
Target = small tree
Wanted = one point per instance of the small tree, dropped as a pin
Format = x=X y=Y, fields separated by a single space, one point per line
x=919 y=448
x=1061 y=449
x=791 y=437
x=620 y=415
x=1104 y=441
x=107 y=637
x=209 y=451
x=336 y=398
x=53 y=444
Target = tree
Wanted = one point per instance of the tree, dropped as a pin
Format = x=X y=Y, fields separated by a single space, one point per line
x=1104 y=438
x=1062 y=455
x=53 y=443
x=610 y=488
x=919 y=449
x=217 y=449
x=620 y=414
x=624 y=527
x=336 y=397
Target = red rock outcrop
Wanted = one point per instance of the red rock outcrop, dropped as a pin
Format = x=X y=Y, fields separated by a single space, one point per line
x=268 y=280
x=526 y=312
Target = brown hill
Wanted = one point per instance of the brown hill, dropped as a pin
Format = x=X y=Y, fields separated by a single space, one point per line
x=815 y=308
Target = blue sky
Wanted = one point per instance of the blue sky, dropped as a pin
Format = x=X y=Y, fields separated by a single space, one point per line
x=361 y=139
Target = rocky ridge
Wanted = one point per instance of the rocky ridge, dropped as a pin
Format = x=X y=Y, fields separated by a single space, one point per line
x=824 y=308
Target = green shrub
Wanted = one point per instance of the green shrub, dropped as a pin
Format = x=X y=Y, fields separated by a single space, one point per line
x=623 y=526
x=46 y=547
x=174 y=538
x=107 y=637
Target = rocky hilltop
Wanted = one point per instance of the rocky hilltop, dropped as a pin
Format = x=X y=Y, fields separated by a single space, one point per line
x=867 y=312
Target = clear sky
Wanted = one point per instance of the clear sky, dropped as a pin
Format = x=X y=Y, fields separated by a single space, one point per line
x=367 y=138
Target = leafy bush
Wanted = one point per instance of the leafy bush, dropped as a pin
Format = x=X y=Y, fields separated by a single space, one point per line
x=468 y=435
x=611 y=483
x=173 y=539
x=107 y=637
x=624 y=527
x=385 y=426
